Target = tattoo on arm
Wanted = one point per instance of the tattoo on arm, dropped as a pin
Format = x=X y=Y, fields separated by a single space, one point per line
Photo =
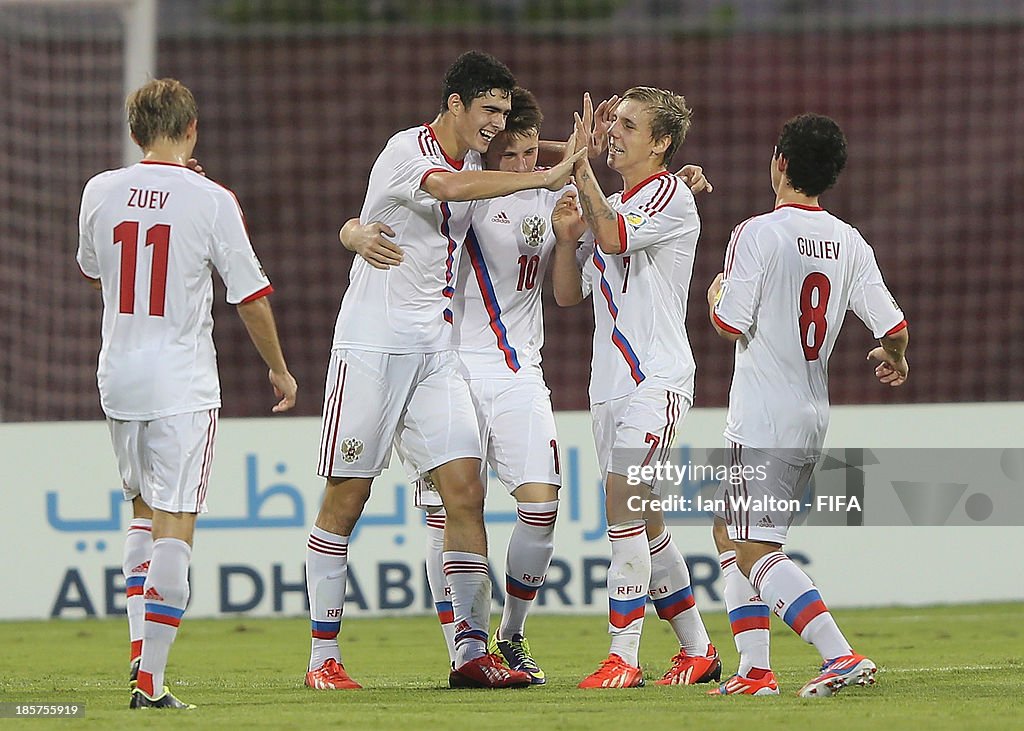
x=593 y=210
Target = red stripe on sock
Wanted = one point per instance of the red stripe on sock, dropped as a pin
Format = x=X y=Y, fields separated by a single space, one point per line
x=145 y=683
x=809 y=613
x=163 y=619
x=747 y=623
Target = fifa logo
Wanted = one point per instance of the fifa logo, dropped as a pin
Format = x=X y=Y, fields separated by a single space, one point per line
x=534 y=228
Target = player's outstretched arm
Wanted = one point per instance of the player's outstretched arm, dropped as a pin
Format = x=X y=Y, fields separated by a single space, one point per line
x=892 y=369
x=368 y=241
x=259 y=322
x=472 y=185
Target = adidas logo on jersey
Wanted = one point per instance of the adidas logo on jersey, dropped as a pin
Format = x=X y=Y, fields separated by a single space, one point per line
x=765 y=522
x=501 y=218
x=152 y=593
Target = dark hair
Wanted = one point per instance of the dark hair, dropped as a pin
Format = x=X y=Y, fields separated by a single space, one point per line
x=815 y=152
x=525 y=116
x=670 y=117
x=160 y=108
x=473 y=74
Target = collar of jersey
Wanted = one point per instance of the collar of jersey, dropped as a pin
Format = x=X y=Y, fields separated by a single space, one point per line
x=801 y=206
x=457 y=164
x=636 y=188
x=160 y=162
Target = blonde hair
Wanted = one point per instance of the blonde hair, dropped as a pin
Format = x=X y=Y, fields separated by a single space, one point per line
x=670 y=117
x=160 y=108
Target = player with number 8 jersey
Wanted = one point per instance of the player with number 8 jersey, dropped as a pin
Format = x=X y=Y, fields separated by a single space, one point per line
x=790 y=277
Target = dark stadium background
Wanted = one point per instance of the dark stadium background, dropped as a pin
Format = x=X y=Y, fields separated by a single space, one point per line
x=292 y=116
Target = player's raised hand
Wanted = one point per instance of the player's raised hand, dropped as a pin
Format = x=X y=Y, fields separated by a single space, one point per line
x=588 y=118
x=369 y=242
x=693 y=175
x=604 y=115
x=890 y=371
x=285 y=388
x=566 y=220
x=193 y=165
x=555 y=178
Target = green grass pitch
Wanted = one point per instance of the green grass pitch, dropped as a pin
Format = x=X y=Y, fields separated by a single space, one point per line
x=959 y=667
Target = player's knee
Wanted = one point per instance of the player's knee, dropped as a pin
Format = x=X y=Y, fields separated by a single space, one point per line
x=463 y=497
x=342 y=505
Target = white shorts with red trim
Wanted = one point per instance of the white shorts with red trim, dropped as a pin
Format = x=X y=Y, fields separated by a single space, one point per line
x=638 y=429
x=372 y=400
x=518 y=434
x=168 y=460
x=756 y=493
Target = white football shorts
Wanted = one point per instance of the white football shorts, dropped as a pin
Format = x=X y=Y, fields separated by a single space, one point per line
x=517 y=432
x=757 y=492
x=166 y=460
x=371 y=399
x=638 y=429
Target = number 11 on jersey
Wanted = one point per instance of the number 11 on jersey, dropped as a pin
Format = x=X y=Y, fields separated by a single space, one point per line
x=126 y=234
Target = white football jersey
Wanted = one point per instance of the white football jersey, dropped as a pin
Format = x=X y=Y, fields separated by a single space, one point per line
x=499 y=320
x=790 y=277
x=153 y=233
x=406 y=308
x=640 y=294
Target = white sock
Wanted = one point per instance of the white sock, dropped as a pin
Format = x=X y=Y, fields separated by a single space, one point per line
x=748 y=615
x=673 y=598
x=471 y=603
x=166 y=595
x=629 y=576
x=439 y=589
x=326 y=575
x=526 y=563
x=138 y=551
x=791 y=594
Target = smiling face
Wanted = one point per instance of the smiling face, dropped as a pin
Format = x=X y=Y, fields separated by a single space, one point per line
x=514 y=153
x=631 y=149
x=477 y=123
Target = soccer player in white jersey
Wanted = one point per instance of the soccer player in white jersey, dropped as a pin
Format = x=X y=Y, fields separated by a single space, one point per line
x=499 y=332
x=149 y=236
x=790 y=277
x=637 y=265
x=393 y=375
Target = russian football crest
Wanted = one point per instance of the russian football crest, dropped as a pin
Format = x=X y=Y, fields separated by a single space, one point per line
x=534 y=230
x=351 y=448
